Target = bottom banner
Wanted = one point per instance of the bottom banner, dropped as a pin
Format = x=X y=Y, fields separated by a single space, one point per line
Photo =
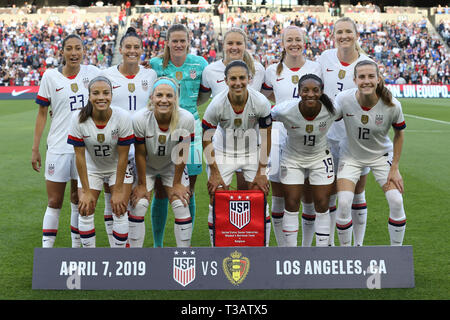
x=372 y=267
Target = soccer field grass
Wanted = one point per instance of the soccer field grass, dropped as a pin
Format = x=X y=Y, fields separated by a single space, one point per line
x=423 y=166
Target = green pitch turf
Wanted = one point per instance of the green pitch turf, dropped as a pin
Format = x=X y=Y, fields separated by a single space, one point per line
x=423 y=166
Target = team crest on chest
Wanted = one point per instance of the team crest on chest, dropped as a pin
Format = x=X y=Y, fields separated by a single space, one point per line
x=100 y=137
x=162 y=139
x=131 y=87
x=179 y=75
x=364 y=119
x=86 y=82
x=237 y=122
x=193 y=74
x=341 y=74
x=74 y=87
x=322 y=125
x=309 y=128
x=144 y=85
x=295 y=79
x=379 y=119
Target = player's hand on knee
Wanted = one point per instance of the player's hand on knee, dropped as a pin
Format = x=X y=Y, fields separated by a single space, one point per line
x=86 y=204
x=179 y=191
x=140 y=191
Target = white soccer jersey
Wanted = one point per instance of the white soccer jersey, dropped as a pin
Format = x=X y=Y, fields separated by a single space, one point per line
x=213 y=78
x=285 y=85
x=101 y=141
x=234 y=135
x=160 y=143
x=337 y=77
x=130 y=93
x=306 y=138
x=367 y=129
x=64 y=96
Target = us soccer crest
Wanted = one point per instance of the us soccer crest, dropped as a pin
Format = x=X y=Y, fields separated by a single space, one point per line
x=309 y=128
x=183 y=269
x=131 y=87
x=341 y=74
x=379 y=119
x=144 y=85
x=236 y=267
x=364 y=119
x=193 y=74
x=101 y=137
x=74 y=87
x=51 y=169
x=240 y=213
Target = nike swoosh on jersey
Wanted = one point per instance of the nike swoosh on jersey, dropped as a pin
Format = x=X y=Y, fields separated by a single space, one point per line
x=15 y=93
x=219 y=81
x=329 y=70
x=280 y=79
x=86 y=136
x=148 y=137
x=59 y=89
x=115 y=87
x=349 y=115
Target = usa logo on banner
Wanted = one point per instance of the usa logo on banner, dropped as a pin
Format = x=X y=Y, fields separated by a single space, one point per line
x=184 y=270
x=240 y=212
x=239 y=218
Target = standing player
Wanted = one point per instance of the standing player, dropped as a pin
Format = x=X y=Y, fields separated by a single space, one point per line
x=369 y=111
x=163 y=135
x=101 y=137
x=305 y=154
x=281 y=83
x=337 y=70
x=213 y=77
x=240 y=115
x=64 y=90
x=186 y=69
x=132 y=85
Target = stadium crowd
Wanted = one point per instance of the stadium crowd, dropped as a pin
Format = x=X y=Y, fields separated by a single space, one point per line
x=407 y=51
x=29 y=47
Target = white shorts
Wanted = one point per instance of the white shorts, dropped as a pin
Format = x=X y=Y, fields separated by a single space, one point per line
x=60 y=167
x=278 y=137
x=351 y=169
x=335 y=150
x=319 y=172
x=166 y=175
x=96 y=180
x=229 y=165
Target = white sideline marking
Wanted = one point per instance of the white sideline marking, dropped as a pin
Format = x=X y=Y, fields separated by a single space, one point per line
x=422 y=118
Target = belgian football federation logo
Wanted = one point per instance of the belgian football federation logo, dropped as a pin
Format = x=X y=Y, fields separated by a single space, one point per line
x=240 y=213
x=184 y=268
x=236 y=267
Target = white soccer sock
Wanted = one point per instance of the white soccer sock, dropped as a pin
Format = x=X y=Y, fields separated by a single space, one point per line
x=308 y=219
x=290 y=228
x=50 y=227
x=120 y=230
x=277 y=219
x=267 y=225
x=397 y=217
x=87 y=231
x=182 y=225
x=108 y=217
x=332 y=210
x=322 y=228
x=211 y=225
x=359 y=218
x=74 y=233
x=136 y=232
x=344 y=218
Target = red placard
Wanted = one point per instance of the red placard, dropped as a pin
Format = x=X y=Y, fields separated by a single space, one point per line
x=239 y=218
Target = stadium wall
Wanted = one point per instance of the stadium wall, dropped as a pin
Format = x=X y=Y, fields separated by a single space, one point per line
x=398 y=91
